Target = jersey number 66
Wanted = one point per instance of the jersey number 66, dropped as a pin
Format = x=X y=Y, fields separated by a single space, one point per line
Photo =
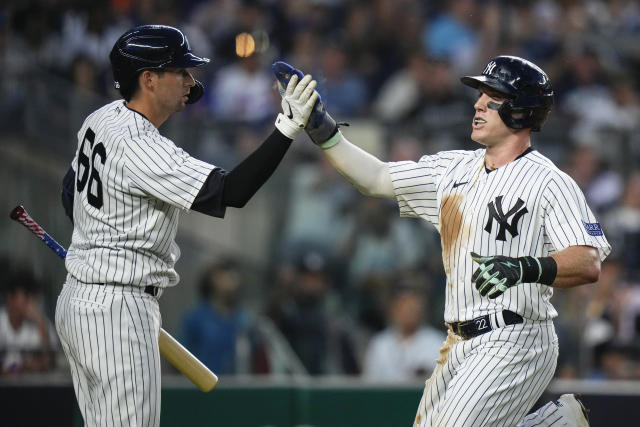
x=89 y=172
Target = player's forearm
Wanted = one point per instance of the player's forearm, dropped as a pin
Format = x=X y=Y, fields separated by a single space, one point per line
x=365 y=171
x=247 y=178
x=235 y=188
x=577 y=265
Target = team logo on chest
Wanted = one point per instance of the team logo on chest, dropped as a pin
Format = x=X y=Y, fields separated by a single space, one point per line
x=496 y=213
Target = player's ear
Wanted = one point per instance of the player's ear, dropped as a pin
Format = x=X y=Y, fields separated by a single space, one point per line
x=146 y=79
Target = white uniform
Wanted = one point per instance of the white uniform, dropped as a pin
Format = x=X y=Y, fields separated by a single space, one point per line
x=131 y=184
x=526 y=208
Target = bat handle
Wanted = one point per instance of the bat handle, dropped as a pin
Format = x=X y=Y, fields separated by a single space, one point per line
x=57 y=248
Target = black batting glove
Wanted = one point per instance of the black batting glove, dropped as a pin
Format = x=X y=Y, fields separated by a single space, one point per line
x=496 y=274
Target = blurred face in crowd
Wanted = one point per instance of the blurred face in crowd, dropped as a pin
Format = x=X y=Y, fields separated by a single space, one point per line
x=488 y=128
x=17 y=302
x=632 y=191
x=225 y=284
x=406 y=313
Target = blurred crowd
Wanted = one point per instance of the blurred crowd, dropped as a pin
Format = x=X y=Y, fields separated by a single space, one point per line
x=352 y=288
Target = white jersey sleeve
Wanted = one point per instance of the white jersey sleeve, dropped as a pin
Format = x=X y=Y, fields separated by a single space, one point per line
x=416 y=183
x=568 y=220
x=156 y=167
x=131 y=184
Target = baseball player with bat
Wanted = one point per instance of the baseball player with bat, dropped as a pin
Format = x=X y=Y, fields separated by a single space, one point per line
x=512 y=226
x=124 y=192
x=170 y=348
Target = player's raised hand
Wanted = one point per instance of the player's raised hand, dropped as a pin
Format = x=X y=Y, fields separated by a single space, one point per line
x=321 y=126
x=496 y=274
x=298 y=99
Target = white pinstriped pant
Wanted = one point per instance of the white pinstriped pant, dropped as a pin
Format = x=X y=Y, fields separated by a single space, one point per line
x=110 y=337
x=490 y=380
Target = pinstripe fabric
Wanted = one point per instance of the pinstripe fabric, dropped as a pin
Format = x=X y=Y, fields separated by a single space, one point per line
x=109 y=334
x=526 y=207
x=131 y=184
x=492 y=379
x=547 y=416
x=453 y=191
x=146 y=181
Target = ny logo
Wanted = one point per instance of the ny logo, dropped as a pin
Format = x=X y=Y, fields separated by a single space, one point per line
x=495 y=212
x=489 y=68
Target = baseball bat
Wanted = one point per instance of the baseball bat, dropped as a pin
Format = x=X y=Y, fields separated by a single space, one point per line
x=170 y=348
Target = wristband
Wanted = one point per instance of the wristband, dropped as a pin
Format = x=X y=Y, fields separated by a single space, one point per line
x=538 y=270
x=548 y=270
x=331 y=141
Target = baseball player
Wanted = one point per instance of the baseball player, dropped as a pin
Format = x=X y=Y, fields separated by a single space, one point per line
x=512 y=226
x=124 y=192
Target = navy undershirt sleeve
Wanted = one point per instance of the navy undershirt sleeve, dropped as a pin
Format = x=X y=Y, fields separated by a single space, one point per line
x=209 y=199
x=235 y=188
x=68 y=185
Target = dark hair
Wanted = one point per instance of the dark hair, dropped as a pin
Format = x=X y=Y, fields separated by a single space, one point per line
x=206 y=278
x=21 y=279
x=130 y=87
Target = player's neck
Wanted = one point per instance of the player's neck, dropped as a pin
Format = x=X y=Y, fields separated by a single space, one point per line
x=500 y=154
x=149 y=110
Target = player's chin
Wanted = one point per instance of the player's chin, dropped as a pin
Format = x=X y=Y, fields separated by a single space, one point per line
x=478 y=136
x=182 y=103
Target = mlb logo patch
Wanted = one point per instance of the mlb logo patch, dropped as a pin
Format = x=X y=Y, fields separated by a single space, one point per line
x=593 y=228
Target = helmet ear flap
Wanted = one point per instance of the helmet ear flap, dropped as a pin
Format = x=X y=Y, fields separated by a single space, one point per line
x=196 y=93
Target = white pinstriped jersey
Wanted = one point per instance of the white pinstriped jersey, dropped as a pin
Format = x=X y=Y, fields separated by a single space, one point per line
x=131 y=183
x=526 y=207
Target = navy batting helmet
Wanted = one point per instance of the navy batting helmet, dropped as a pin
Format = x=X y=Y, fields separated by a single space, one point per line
x=527 y=89
x=152 y=47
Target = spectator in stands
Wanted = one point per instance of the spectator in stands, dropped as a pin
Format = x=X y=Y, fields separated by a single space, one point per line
x=378 y=243
x=316 y=208
x=601 y=185
x=401 y=96
x=452 y=35
x=309 y=317
x=623 y=225
x=615 y=361
x=219 y=330
x=243 y=91
x=341 y=89
x=408 y=348
x=27 y=338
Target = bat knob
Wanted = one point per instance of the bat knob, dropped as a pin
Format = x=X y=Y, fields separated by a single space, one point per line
x=16 y=212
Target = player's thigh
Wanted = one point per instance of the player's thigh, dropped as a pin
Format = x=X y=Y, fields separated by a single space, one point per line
x=112 y=342
x=142 y=365
x=498 y=383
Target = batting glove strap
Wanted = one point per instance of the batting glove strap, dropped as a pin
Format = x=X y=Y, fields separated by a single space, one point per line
x=287 y=127
x=321 y=126
x=496 y=274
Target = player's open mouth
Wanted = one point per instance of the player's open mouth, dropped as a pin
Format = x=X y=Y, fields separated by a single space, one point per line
x=478 y=122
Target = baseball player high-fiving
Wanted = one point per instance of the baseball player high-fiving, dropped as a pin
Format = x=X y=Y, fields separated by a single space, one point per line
x=124 y=192
x=512 y=226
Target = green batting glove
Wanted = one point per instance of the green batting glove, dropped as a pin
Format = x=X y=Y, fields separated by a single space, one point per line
x=496 y=274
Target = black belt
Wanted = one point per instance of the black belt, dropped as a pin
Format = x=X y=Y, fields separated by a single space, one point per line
x=152 y=290
x=488 y=322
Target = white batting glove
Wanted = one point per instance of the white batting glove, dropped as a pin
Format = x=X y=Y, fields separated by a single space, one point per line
x=297 y=103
